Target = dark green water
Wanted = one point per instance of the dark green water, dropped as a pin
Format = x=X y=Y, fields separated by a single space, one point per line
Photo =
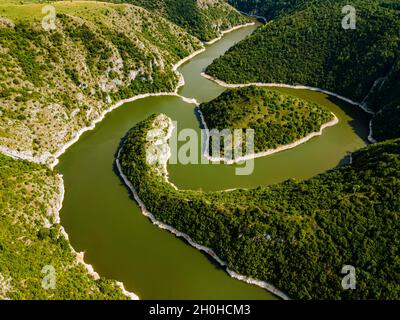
x=102 y=219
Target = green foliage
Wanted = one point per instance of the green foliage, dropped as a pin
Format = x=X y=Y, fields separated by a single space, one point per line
x=276 y=119
x=306 y=45
x=295 y=235
x=204 y=22
x=18 y=41
x=309 y=47
x=386 y=123
x=28 y=193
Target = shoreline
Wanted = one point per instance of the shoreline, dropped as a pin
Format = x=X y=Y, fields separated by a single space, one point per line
x=53 y=159
x=269 y=287
x=362 y=105
x=371 y=133
x=80 y=256
x=268 y=152
x=283 y=85
x=228 y=31
x=251 y=15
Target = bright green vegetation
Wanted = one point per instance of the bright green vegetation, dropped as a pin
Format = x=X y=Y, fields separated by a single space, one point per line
x=30 y=239
x=53 y=83
x=295 y=235
x=306 y=45
x=276 y=119
x=203 y=19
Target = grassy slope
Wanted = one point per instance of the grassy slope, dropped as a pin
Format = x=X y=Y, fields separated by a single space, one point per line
x=28 y=201
x=54 y=83
x=203 y=19
x=277 y=119
x=296 y=235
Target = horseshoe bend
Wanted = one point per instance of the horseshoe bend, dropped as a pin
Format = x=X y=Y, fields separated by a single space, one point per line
x=113 y=185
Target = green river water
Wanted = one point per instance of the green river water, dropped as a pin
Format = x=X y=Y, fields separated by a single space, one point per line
x=104 y=221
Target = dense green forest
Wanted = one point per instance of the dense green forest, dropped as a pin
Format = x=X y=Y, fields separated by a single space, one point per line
x=277 y=119
x=305 y=44
x=203 y=19
x=295 y=235
x=386 y=123
x=30 y=239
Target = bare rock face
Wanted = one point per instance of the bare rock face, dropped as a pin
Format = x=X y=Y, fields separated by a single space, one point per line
x=204 y=4
x=157 y=148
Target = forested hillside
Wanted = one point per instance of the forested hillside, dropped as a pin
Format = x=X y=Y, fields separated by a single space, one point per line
x=305 y=44
x=295 y=235
x=31 y=238
x=204 y=19
x=277 y=119
x=386 y=123
x=55 y=82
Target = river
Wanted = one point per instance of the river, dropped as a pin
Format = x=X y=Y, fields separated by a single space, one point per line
x=103 y=220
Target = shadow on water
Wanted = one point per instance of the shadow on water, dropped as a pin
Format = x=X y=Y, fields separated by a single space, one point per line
x=360 y=118
x=344 y=161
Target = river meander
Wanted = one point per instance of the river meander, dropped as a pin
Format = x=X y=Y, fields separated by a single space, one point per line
x=103 y=220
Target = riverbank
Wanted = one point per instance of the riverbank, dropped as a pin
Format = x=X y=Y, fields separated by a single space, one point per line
x=80 y=256
x=254 y=16
x=230 y=30
x=180 y=234
x=282 y=85
x=363 y=106
x=269 y=152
